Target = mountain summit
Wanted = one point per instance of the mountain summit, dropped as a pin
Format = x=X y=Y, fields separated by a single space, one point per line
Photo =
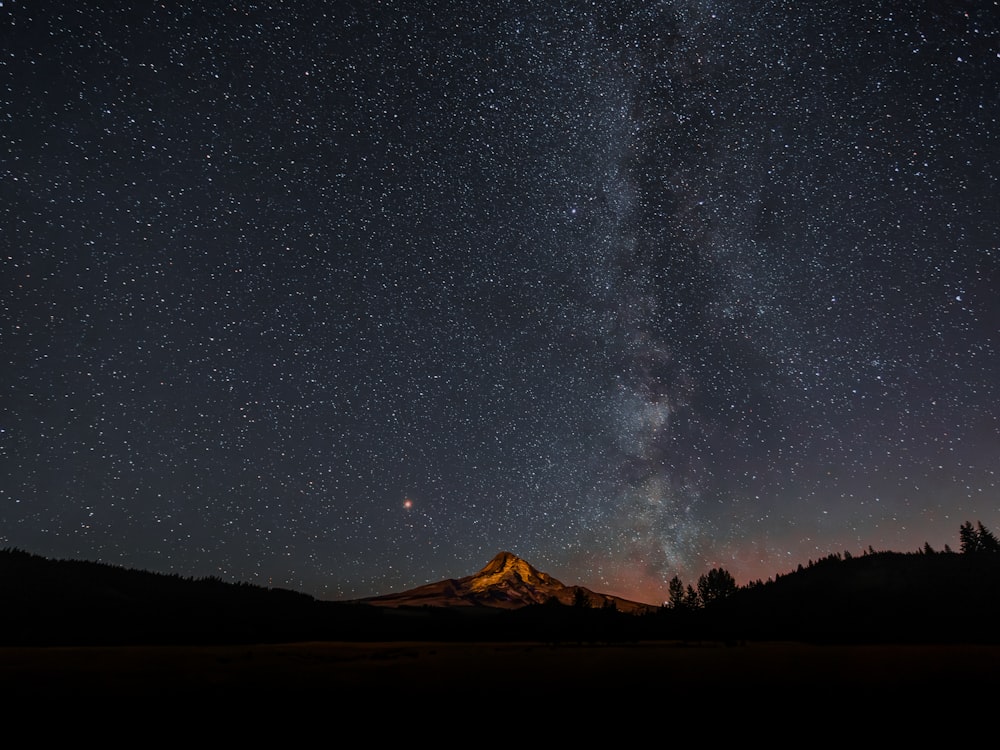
x=507 y=570
x=506 y=582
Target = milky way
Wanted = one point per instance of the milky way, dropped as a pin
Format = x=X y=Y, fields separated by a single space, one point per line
x=347 y=297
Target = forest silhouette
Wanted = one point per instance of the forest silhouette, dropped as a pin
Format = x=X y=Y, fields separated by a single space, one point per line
x=877 y=597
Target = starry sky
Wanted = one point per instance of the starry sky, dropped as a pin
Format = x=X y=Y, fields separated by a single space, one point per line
x=347 y=297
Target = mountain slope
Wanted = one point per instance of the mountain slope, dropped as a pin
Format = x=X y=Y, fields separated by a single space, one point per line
x=506 y=582
x=882 y=597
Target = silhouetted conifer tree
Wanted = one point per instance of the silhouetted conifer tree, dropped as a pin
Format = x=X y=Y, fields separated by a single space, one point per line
x=976 y=538
x=987 y=541
x=691 y=598
x=968 y=540
x=675 y=593
x=717 y=584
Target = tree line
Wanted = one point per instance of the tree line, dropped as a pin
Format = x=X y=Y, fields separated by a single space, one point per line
x=977 y=539
x=719 y=583
x=716 y=584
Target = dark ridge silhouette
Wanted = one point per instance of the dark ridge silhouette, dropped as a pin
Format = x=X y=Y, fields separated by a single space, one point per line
x=885 y=597
x=923 y=597
x=60 y=602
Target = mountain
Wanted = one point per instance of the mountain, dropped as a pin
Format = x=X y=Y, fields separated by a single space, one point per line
x=506 y=582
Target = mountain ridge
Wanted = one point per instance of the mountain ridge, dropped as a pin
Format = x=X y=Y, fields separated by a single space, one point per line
x=505 y=582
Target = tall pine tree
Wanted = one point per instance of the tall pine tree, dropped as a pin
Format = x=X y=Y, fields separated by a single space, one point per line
x=977 y=538
x=987 y=541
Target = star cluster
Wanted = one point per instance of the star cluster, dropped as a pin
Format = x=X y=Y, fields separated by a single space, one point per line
x=347 y=297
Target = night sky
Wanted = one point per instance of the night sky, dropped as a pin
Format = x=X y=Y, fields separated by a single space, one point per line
x=347 y=297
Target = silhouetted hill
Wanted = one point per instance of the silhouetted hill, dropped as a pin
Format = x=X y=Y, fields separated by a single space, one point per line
x=884 y=597
x=69 y=601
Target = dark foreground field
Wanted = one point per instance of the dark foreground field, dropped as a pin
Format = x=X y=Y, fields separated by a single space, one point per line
x=464 y=675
